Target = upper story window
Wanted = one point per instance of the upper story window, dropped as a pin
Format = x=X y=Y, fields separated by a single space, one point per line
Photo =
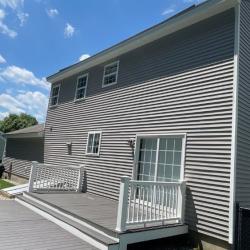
x=81 y=87
x=54 y=95
x=110 y=74
x=94 y=143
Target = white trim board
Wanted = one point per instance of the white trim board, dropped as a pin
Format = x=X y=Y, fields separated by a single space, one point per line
x=234 y=126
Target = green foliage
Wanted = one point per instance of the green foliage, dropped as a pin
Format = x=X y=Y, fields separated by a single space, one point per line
x=5 y=184
x=14 y=122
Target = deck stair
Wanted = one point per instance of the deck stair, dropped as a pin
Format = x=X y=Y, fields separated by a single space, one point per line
x=99 y=237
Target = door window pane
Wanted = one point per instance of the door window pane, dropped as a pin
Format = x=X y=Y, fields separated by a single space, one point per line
x=147 y=159
x=177 y=158
x=168 y=163
x=176 y=173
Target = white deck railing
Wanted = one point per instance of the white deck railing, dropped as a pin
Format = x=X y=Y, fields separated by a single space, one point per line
x=47 y=178
x=144 y=203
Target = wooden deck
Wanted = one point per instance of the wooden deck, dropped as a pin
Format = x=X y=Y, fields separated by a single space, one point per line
x=22 y=229
x=93 y=208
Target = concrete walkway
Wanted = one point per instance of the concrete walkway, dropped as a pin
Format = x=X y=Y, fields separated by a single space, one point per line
x=22 y=229
x=3 y=197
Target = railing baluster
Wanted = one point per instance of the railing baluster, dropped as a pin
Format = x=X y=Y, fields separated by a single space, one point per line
x=134 y=203
x=143 y=204
x=151 y=201
x=162 y=203
x=138 y=207
x=148 y=201
x=130 y=201
x=55 y=178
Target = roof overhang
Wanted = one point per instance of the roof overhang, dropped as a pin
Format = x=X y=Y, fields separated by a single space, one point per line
x=178 y=22
x=25 y=135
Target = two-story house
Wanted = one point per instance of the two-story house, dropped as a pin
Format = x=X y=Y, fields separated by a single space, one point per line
x=168 y=105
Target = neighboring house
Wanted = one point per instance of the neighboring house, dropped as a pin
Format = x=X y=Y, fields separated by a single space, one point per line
x=2 y=146
x=22 y=147
x=167 y=105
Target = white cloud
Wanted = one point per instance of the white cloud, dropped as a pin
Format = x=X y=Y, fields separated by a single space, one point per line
x=193 y=1
x=83 y=57
x=69 y=30
x=169 y=11
x=52 y=12
x=22 y=76
x=4 y=29
x=3 y=115
x=17 y=8
x=2 y=14
x=11 y=104
x=23 y=17
x=13 y=4
x=34 y=103
x=2 y=60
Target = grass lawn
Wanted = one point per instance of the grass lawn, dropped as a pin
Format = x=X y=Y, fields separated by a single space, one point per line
x=5 y=184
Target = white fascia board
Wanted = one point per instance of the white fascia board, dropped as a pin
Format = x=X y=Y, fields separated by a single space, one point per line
x=195 y=15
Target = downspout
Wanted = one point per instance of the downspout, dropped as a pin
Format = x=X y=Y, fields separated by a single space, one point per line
x=234 y=126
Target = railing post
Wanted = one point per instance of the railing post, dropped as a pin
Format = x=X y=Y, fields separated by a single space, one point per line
x=32 y=175
x=182 y=201
x=123 y=204
x=80 y=179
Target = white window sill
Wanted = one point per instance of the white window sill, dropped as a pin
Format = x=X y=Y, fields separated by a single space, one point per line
x=80 y=99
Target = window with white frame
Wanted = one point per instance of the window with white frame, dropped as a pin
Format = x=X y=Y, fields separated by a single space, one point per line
x=54 y=95
x=110 y=74
x=81 y=87
x=94 y=143
x=160 y=158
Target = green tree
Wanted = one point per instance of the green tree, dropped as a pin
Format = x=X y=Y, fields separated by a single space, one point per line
x=14 y=122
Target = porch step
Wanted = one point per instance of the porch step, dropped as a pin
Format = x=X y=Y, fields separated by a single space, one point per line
x=87 y=232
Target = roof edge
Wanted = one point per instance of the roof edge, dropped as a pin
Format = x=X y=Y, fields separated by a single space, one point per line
x=178 y=22
x=25 y=135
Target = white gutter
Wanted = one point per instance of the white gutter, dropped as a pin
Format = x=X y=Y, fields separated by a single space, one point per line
x=197 y=14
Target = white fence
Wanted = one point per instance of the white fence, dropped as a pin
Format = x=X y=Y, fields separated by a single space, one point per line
x=47 y=178
x=142 y=203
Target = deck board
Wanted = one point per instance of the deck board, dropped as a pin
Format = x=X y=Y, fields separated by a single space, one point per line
x=97 y=209
x=20 y=228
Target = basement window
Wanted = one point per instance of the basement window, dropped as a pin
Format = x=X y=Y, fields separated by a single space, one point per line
x=81 y=87
x=93 y=143
x=54 y=95
x=110 y=74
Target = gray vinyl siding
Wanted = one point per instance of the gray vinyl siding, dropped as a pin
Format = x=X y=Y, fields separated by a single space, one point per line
x=2 y=146
x=180 y=83
x=243 y=142
x=21 y=152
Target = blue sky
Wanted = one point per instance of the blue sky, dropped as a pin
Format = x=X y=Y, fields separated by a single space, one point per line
x=39 y=37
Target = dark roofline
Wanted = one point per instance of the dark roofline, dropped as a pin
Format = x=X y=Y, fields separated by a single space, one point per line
x=35 y=131
x=181 y=20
